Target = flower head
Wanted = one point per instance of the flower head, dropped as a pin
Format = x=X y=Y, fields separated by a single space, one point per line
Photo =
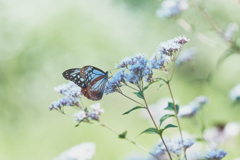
x=172 y=7
x=216 y=155
x=83 y=151
x=72 y=94
x=115 y=82
x=229 y=31
x=174 y=146
x=193 y=107
x=186 y=56
x=80 y=116
x=96 y=111
x=235 y=93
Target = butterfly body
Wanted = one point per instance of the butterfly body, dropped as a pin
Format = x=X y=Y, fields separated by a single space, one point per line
x=92 y=80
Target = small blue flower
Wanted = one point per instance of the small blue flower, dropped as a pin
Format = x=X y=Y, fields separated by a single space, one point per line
x=115 y=82
x=174 y=146
x=80 y=116
x=172 y=7
x=186 y=56
x=192 y=108
x=216 y=155
x=72 y=94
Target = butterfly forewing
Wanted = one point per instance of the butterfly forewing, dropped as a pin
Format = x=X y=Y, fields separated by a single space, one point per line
x=90 y=73
x=75 y=76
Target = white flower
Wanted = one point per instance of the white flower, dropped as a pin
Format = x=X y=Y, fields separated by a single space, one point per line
x=79 y=116
x=97 y=108
x=83 y=151
x=218 y=135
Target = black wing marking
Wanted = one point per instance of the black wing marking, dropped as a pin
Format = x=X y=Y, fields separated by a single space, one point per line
x=75 y=76
x=90 y=73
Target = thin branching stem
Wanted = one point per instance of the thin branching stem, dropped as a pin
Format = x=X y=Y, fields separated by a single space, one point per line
x=156 y=127
x=175 y=109
x=129 y=140
x=132 y=99
x=131 y=87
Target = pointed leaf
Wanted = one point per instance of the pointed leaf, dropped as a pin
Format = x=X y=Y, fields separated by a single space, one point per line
x=139 y=94
x=171 y=107
x=200 y=139
x=166 y=127
x=138 y=107
x=122 y=135
x=165 y=117
x=160 y=85
x=170 y=126
x=157 y=80
x=150 y=131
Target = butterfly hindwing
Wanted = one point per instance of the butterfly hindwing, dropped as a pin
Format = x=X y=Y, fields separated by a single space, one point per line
x=74 y=75
x=95 y=89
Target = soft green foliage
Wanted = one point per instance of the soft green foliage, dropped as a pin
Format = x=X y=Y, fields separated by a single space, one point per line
x=139 y=94
x=137 y=107
x=171 y=107
x=122 y=135
x=163 y=118
x=166 y=127
x=150 y=131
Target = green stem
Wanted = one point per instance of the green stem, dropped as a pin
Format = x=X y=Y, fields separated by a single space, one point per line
x=175 y=109
x=129 y=140
x=156 y=127
x=131 y=99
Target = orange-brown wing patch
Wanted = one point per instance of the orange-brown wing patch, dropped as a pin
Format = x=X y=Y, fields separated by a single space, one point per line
x=93 y=93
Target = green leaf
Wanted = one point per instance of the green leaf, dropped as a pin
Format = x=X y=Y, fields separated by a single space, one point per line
x=169 y=126
x=200 y=139
x=138 y=107
x=160 y=85
x=166 y=127
x=139 y=94
x=78 y=124
x=150 y=131
x=171 y=107
x=165 y=117
x=157 y=80
x=122 y=135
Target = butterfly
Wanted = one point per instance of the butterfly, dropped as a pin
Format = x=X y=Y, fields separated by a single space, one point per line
x=92 y=80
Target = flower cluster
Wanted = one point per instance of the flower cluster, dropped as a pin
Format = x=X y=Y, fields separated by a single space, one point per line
x=136 y=68
x=174 y=146
x=72 y=94
x=172 y=7
x=85 y=114
x=193 y=107
x=186 y=56
x=83 y=151
x=220 y=134
x=229 y=32
x=166 y=52
x=216 y=155
x=235 y=93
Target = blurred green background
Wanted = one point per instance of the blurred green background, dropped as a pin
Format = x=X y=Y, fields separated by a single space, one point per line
x=42 y=38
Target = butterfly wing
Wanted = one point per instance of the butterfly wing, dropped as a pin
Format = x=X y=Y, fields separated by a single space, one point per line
x=75 y=76
x=95 y=89
x=90 y=73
